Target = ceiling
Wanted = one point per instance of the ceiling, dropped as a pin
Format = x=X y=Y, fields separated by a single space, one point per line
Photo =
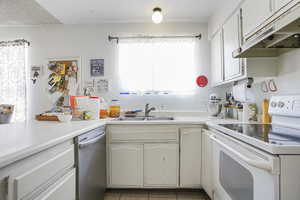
x=24 y=12
x=99 y=11
x=32 y=12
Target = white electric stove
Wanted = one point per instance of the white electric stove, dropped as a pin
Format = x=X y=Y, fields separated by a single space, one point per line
x=255 y=161
x=282 y=136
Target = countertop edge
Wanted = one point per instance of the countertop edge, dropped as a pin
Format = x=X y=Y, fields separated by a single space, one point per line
x=19 y=155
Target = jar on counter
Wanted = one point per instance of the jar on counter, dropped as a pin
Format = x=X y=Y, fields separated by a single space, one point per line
x=114 y=108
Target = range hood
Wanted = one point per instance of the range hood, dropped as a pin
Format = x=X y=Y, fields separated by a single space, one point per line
x=280 y=35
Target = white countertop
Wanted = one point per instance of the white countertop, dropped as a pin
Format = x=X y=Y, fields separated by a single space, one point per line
x=21 y=140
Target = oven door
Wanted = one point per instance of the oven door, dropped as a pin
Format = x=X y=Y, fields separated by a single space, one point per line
x=242 y=172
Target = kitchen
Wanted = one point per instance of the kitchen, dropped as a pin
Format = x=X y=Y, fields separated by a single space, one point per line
x=211 y=114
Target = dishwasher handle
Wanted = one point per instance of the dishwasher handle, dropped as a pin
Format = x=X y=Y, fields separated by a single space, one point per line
x=252 y=162
x=92 y=141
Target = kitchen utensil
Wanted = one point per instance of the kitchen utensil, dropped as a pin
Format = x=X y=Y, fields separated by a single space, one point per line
x=268 y=86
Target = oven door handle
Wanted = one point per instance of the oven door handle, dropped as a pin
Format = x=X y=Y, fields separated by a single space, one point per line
x=255 y=163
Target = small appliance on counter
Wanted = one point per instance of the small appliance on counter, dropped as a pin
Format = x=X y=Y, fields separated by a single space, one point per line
x=214 y=105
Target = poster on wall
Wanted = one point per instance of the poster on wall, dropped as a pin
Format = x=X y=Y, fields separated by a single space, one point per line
x=63 y=79
x=97 y=67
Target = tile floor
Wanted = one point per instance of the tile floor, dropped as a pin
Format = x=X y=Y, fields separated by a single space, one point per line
x=156 y=195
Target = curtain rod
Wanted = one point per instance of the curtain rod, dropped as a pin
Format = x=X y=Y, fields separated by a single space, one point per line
x=14 y=42
x=111 y=38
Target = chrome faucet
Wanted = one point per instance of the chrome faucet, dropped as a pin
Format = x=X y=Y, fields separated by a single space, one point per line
x=148 y=110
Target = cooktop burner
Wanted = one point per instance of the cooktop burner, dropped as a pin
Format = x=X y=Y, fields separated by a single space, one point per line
x=269 y=133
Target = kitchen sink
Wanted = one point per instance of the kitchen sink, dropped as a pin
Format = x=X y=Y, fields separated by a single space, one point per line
x=152 y=118
x=131 y=119
x=160 y=118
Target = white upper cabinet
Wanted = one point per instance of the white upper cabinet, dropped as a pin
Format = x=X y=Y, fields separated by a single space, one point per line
x=255 y=12
x=232 y=35
x=217 y=59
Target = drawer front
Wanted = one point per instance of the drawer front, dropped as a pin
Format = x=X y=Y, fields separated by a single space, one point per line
x=64 y=189
x=26 y=183
x=143 y=134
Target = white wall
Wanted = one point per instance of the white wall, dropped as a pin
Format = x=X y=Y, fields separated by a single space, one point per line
x=90 y=41
x=288 y=79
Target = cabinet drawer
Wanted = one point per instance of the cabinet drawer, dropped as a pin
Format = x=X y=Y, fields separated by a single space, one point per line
x=143 y=133
x=27 y=182
x=65 y=188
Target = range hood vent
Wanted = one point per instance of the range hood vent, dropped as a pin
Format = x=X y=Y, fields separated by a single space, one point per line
x=278 y=37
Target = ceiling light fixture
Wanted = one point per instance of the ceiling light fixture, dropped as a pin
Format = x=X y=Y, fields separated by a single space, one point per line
x=157 y=16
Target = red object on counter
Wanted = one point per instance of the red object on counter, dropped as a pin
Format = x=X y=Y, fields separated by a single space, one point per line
x=202 y=81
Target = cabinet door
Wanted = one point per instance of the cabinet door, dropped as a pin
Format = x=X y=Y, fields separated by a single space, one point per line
x=255 y=12
x=232 y=35
x=126 y=165
x=161 y=165
x=207 y=159
x=280 y=4
x=190 y=157
x=217 y=58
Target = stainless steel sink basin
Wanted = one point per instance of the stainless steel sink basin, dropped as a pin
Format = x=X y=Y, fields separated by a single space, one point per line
x=160 y=118
x=131 y=119
x=145 y=119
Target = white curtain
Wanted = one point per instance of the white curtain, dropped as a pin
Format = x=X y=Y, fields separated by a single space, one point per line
x=13 y=79
x=157 y=65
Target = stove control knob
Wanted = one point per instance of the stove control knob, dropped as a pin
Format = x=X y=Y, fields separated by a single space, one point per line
x=273 y=104
x=281 y=104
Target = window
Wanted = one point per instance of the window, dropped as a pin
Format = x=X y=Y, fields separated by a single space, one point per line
x=13 y=77
x=157 y=65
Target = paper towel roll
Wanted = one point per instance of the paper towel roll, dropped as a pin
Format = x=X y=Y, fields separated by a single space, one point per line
x=242 y=93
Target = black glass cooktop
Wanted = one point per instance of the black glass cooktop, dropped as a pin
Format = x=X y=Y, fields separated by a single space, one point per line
x=273 y=134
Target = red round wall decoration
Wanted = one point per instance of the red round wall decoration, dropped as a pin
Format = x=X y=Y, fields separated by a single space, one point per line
x=202 y=81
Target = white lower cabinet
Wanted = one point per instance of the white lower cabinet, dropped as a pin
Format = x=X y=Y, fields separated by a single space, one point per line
x=207 y=163
x=47 y=175
x=190 y=157
x=161 y=165
x=154 y=156
x=126 y=165
x=65 y=189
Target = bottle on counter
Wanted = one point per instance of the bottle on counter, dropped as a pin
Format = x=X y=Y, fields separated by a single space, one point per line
x=114 y=108
x=103 y=114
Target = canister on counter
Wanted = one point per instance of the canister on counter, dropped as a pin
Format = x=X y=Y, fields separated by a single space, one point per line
x=114 y=108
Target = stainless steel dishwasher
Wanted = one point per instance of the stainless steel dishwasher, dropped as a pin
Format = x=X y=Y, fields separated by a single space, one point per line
x=91 y=164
